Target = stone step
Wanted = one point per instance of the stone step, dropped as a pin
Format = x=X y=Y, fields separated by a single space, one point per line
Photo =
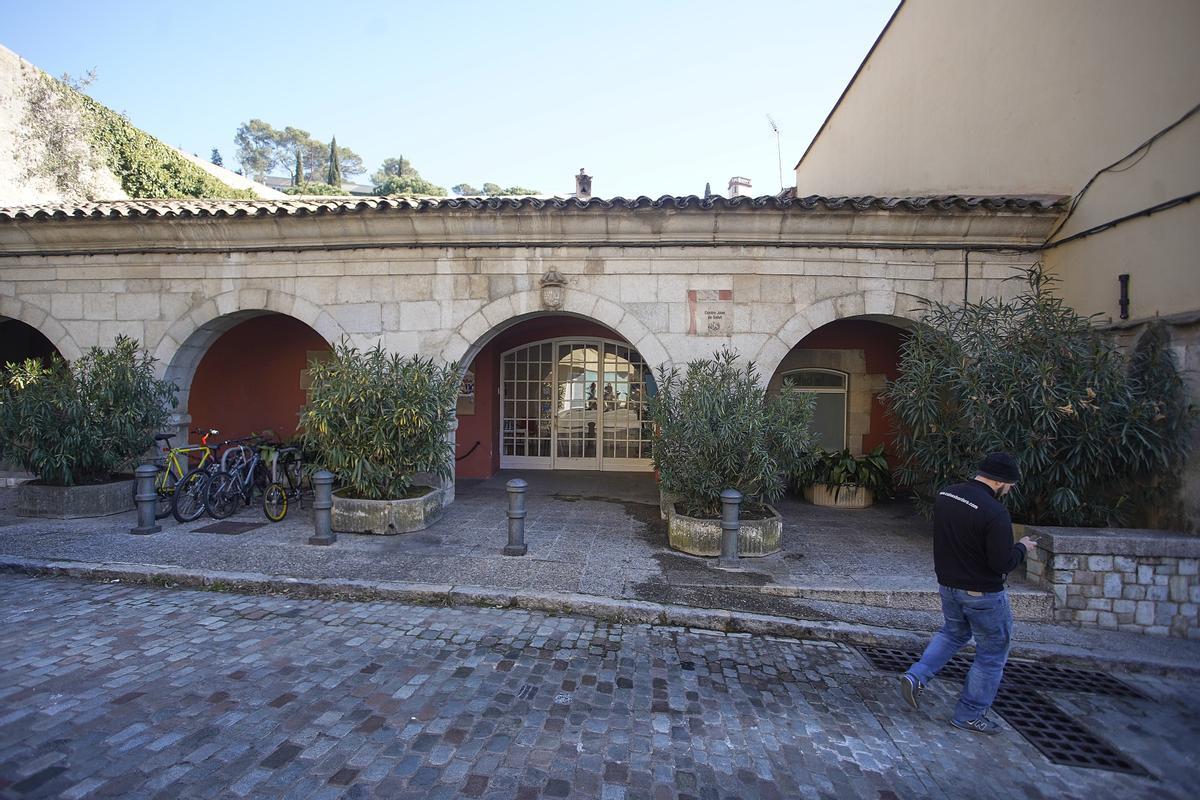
x=1027 y=603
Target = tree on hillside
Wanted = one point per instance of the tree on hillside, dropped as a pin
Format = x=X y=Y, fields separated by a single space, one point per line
x=263 y=148
x=408 y=184
x=256 y=148
x=394 y=167
x=334 y=176
x=216 y=158
x=496 y=190
x=465 y=189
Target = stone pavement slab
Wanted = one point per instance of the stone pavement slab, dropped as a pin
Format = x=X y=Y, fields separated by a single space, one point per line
x=597 y=536
x=111 y=690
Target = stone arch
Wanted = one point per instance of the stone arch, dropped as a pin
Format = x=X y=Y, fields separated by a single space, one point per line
x=185 y=342
x=40 y=320
x=895 y=308
x=482 y=326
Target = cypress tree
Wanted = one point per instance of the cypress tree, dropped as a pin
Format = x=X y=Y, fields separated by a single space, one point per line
x=299 y=176
x=335 y=165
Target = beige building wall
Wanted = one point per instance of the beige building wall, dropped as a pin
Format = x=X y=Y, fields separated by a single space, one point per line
x=1160 y=252
x=1012 y=97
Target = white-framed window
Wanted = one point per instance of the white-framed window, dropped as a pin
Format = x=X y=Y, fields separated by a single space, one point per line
x=829 y=416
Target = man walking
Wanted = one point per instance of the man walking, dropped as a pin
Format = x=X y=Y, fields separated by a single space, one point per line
x=973 y=552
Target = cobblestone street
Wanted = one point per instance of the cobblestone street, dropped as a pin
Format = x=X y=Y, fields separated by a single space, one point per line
x=112 y=690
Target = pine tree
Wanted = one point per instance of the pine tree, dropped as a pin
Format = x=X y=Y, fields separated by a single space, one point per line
x=216 y=157
x=335 y=166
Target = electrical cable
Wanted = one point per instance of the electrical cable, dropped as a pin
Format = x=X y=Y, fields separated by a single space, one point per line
x=1143 y=149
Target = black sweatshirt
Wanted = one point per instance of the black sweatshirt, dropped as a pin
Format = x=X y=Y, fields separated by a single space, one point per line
x=973 y=547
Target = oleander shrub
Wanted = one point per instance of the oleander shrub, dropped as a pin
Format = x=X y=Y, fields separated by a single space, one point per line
x=84 y=421
x=1097 y=432
x=716 y=428
x=376 y=419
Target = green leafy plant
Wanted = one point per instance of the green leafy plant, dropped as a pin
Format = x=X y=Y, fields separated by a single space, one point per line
x=716 y=428
x=841 y=469
x=375 y=419
x=73 y=136
x=324 y=189
x=1091 y=428
x=85 y=421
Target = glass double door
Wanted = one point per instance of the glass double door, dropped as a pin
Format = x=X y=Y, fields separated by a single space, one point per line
x=574 y=404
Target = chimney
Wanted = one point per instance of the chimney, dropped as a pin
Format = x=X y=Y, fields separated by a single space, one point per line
x=740 y=187
x=583 y=185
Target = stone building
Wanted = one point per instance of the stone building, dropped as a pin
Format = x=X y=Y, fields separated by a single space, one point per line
x=555 y=310
x=1093 y=99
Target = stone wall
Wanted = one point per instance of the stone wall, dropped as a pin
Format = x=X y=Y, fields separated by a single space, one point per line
x=1128 y=580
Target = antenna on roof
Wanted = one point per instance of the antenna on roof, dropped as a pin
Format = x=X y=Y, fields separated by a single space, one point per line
x=778 y=149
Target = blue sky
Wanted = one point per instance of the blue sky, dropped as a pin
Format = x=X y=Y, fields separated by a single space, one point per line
x=651 y=97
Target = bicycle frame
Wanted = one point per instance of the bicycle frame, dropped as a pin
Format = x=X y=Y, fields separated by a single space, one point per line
x=175 y=465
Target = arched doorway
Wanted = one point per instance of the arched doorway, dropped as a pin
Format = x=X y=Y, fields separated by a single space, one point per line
x=847 y=364
x=246 y=373
x=19 y=341
x=575 y=403
x=554 y=391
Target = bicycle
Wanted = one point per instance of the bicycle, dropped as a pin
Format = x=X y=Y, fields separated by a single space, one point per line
x=188 y=502
x=276 y=495
x=226 y=489
x=171 y=468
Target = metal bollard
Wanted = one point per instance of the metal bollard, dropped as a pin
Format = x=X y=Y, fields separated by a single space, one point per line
x=323 y=534
x=516 y=518
x=146 y=499
x=731 y=500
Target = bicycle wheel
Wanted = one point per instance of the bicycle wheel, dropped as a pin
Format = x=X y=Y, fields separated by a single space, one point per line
x=164 y=488
x=188 y=502
x=223 y=495
x=275 y=502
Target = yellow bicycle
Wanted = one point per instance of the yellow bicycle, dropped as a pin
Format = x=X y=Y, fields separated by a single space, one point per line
x=173 y=466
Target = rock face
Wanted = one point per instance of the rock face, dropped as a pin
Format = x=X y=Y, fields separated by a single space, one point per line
x=387 y=516
x=702 y=537
x=71 y=502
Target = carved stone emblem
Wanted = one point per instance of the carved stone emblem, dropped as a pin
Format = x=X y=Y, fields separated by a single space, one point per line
x=553 y=289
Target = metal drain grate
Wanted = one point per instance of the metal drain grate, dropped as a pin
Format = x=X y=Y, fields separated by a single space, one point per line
x=229 y=528
x=1043 y=724
x=1023 y=675
x=1057 y=736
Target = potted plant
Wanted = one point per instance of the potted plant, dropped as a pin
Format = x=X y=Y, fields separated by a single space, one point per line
x=715 y=429
x=842 y=480
x=379 y=421
x=76 y=426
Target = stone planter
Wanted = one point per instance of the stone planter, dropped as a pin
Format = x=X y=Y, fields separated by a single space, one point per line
x=702 y=537
x=72 y=502
x=387 y=516
x=848 y=496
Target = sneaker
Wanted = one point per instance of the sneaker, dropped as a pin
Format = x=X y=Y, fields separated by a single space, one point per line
x=982 y=725
x=910 y=690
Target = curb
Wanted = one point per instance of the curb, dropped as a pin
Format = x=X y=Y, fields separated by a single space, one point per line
x=597 y=607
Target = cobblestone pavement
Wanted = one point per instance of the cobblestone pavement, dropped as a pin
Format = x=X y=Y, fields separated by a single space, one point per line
x=112 y=690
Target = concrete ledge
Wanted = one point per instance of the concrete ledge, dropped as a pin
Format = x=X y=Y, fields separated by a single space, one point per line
x=1115 y=542
x=602 y=608
x=1027 y=604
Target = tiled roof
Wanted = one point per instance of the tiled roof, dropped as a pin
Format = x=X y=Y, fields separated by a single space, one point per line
x=306 y=206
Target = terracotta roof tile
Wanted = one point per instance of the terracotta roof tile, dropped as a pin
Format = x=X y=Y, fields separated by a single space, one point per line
x=317 y=206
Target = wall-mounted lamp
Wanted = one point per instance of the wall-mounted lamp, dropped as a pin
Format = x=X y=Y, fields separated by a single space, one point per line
x=1124 y=280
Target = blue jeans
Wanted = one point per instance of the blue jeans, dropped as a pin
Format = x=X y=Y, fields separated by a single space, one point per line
x=989 y=619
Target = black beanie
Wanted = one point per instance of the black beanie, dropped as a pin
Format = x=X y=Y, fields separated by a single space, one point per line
x=1000 y=467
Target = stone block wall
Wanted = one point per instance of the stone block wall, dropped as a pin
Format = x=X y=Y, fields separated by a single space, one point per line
x=1129 y=580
